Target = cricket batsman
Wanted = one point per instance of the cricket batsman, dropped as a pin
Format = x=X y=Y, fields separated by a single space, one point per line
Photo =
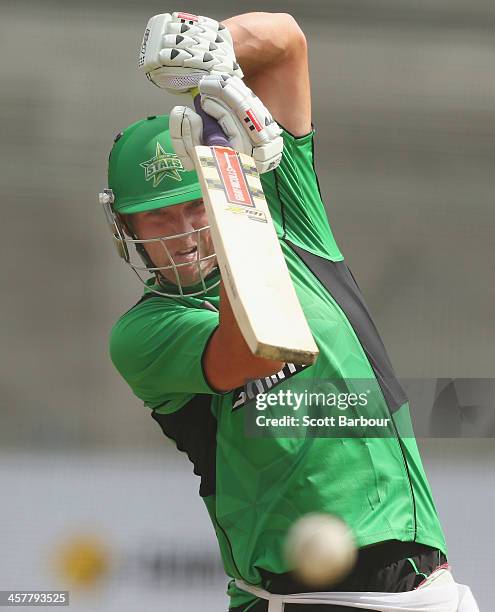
x=182 y=354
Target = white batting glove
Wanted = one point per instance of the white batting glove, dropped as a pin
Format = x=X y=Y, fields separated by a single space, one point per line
x=186 y=131
x=246 y=121
x=179 y=48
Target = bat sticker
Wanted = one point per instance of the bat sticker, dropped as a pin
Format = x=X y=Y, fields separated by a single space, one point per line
x=234 y=182
x=253 y=214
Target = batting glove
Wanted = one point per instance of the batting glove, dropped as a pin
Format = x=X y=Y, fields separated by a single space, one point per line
x=179 y=48
x=243 y=117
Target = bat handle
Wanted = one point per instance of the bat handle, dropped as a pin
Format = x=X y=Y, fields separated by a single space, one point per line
x=213 y=135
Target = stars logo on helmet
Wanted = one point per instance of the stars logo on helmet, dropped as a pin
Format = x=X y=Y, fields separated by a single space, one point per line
x=162 y=165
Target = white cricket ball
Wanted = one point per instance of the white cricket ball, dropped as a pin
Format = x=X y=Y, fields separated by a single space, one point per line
x=321 y=550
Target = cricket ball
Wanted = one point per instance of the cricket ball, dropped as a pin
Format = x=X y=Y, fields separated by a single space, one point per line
x=320 y=549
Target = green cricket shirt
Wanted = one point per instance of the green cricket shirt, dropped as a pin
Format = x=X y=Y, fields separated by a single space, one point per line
x=255 y=487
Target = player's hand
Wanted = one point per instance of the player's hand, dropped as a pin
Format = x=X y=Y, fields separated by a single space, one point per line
x=178 y=49
x=246 y=121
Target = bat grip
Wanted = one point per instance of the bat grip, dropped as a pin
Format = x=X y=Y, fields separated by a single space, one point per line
x=213 y=135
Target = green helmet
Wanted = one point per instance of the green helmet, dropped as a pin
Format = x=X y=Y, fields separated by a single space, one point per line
x=145 y=173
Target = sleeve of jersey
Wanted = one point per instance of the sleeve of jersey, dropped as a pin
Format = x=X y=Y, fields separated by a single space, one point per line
x=158 y=349
x=293 y=194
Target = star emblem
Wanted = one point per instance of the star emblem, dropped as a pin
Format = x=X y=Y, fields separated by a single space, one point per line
x=162 y=164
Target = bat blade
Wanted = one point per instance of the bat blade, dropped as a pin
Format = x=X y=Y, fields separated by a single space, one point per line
x=250 y=258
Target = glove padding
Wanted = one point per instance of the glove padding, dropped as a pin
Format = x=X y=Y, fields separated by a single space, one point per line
x=246 y=121
x=186 y=129
x=179 y=48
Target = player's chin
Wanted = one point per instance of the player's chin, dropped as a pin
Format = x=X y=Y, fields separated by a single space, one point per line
x=192 y=274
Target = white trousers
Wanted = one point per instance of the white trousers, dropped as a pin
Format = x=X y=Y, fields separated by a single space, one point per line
x=438 y=593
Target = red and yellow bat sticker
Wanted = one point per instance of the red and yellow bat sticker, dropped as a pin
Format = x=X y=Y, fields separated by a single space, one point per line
x=232 y=177
x=253 y=214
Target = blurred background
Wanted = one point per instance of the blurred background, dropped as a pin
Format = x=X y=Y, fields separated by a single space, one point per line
x=95 y=500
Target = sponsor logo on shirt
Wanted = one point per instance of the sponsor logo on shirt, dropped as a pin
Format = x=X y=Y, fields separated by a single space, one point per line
x=242 y=395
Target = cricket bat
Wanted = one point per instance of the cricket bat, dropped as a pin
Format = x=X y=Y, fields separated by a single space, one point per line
x=251 y=262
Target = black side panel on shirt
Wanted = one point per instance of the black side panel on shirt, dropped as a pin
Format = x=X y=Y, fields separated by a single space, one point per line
x=336 y=277
x=194 y=430
x=388 y=567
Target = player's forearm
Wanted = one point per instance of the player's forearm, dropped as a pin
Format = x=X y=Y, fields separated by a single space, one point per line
x=228 y=360
x=272 y=51
x=263 y=39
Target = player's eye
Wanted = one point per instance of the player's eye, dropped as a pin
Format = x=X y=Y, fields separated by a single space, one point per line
x=157 y=213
